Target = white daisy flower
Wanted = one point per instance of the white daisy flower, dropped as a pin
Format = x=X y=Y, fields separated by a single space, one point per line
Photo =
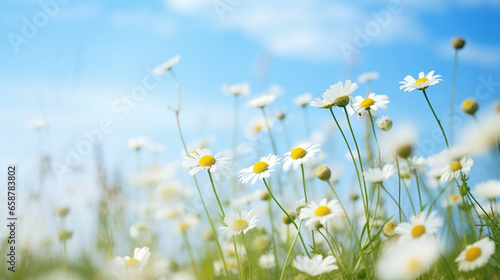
x=372 y=103
x=260 y=170
x=453 y=200
x=418 y=164
x=167 y=65
x=267 y=261
x=169 y=213
x=455 y=168
x=406 y=261
x=36 y=124
x=489 y=189
x=315 y=265
x=367 y=77
x=128 y=267
x=299 y=155
x=137 y=143
x=231 y=264
x=239 y=223
x=476 y=255
x=204 y=159
x=377 y=175
x=242 y=89
x=261 y=101
x=423 y=81
x=320 y=214
x=302 y=100
x=384 y=123
x=185 y=223
x=476 y=139
x=138 y=229
x=423 y=225
x=336 y=95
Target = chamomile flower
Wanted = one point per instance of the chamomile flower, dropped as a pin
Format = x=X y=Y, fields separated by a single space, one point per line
x=320 y=214
x=242 y=89
x=127 y=267
x=453 y=200
x=187 y=222
x=489 y=189
x=261 y=101
x=37 y=123
x=377 y=175
x=239 y=223
x=405 y=261
x=372 y=102
x=167 y=65
x=299 y=155
x=260 y=170
x=367 y=77
x=316 y=265
x=138 y=229
x=204 y=159
x=137 y=143
x=267 y=261
x=423 y=225
x=475 y=255
x=302 y=100
x=336 y=95
x=384 y=123
x=423 y=81
x=455 y=168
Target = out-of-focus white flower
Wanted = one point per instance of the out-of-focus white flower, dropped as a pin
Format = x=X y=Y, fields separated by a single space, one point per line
x=384 y=123
x=456 y=168
x=167 y=65
x=302 y=100
x=489 y=189
x=423 y=81
x=186 y=222
x=377 y=175
x=242 y=89
x=367 y=77
x=37 y=123
x=156 y=148
x=239 y=223
x=475 y=140
x=453 y=200
x=337 y=95
x=131 y=268
x=138 y=229
x=137 y=143
x=315 y=265
x=261 y=101
x=267 y=261
x=152 y=176
x=476 y=255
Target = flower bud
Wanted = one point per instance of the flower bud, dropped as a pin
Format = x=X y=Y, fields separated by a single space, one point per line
x=62 y=211
x=280 y=116
x=389 y=227
x=264 y=195
x=457 y=43
x=286 y=219
x=353 y=196
x=64 y=234
x=469 y=106
x=404 y=151
x=384 y=123
x=323 y=173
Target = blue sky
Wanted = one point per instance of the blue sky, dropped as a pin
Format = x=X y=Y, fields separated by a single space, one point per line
x=89 y=53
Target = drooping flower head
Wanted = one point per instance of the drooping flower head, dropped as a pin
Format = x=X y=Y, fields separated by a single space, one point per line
x=242 y=89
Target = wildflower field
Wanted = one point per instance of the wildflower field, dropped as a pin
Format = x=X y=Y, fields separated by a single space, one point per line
x=327 y=187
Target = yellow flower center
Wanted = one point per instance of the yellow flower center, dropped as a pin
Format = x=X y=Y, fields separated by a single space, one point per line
x=414 y=265
x=472 y=254
x=240 y=225
x=421 y=80
x=298 y=153
x=257 y=127
x=132 y=263
x=367 y=103
x=322 y=211
x=418 y=231
x=260 y=167
x=206 y=161
x=455 y=166
x=405 y=175
x=456 y=197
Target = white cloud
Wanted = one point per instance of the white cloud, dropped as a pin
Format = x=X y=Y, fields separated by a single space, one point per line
x=143 y=19
x=473 y=52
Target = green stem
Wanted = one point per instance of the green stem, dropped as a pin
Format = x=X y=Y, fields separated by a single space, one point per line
x=275 y=150
x=215 y=192
x=376 y=140
x=188 y=247
x=303 y=181
x=290 y=251
x=238 y=260
x=437 y=119
x=418 y=189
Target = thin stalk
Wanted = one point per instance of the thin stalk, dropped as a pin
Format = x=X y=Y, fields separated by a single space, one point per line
x=418 y=189
x=306 y=121
x=286 y=213
x=376 y=140
x=437 y=119
x=188 y=247
x=248 y=256
x=240 y=272
x=275 y=150
x=399 y=186
x=215 y=192
x=274 y=233
x=290 y=251
x=342 y=271
x=303 y=181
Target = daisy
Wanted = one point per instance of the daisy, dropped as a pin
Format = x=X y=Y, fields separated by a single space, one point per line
x=405 y=261
x=372 y=103
x=419 y=226
x=489 y=189
x=203 y=159
x=320 y=214
x=302 y=100
x=336 y=95
x=242 y=89
x=423 y=82
x=455 y=168
x=186 y=222
x=267 y=261
x=475 y=255
x=127 y=266
x=260 y=170
x=367 y=77
x=167 y=65
x=138 y=229
x=316 y=265
x=299 y=155
x=452 y=200
x=261 y=101
x=384 y=123
x=36 y=124
x=137 y=143
x=239 y=223
x=377 y=175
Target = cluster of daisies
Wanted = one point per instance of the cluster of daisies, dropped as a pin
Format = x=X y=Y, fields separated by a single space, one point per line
x=374 y=238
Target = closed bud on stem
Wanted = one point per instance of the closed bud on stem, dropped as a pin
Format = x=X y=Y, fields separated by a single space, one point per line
x=404 y=151
x=264 y=195
x=323 y=173
x=286 y=219
x=469 y=106
x=457 y=43
x=64 y=234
